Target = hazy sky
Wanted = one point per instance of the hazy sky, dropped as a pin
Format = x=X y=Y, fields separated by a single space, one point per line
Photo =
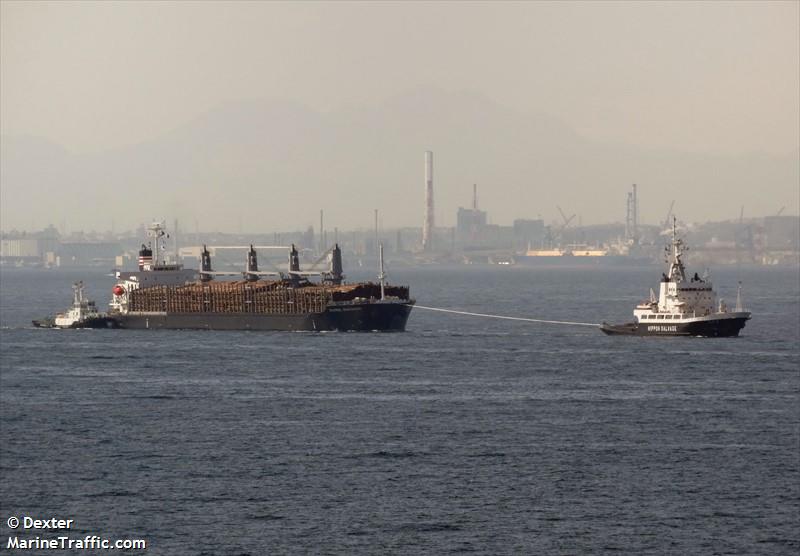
x=186 y=103
x=707 y=76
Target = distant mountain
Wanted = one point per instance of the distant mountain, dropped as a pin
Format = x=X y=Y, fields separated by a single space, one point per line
x=272 y=165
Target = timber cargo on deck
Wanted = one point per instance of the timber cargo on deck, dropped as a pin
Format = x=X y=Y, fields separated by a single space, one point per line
x=161 y=295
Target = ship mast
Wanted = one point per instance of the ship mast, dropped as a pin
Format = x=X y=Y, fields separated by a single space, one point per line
x=77 y=291
x=676 y=269
x=381 y=272
x=156 y=231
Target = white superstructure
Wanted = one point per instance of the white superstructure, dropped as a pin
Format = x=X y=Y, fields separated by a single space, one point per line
x=153 y=271
x=82 y=310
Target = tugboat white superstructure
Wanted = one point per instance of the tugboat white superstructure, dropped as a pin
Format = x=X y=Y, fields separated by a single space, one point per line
x=82 y=314
x=686 y=306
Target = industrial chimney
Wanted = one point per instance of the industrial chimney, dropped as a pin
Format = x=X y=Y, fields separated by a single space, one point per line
x=632 y=217
x=427 y=224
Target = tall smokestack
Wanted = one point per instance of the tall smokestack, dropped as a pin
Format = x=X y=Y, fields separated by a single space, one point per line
x=475 y=196
x=427 y=224
x=632 y=217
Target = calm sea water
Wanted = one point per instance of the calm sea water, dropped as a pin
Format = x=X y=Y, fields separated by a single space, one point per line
x=461 y=435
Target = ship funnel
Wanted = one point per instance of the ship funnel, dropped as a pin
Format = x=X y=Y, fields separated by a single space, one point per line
x=205 y=264
x=145 y=257
x=336 y=269
x=252 y=264
x=294 y=260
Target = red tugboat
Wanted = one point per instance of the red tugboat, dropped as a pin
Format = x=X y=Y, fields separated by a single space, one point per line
x=686 y=306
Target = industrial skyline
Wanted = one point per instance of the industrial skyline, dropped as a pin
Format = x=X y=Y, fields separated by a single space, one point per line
x=628 y=218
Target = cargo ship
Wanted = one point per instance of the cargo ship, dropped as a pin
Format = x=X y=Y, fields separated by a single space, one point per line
x=161 y=295
x=686 y=306
x=579 y=255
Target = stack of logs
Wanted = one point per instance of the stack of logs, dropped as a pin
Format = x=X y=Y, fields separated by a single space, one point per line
x=263 y=297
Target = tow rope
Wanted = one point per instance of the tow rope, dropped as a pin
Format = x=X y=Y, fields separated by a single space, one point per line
x=570 y=323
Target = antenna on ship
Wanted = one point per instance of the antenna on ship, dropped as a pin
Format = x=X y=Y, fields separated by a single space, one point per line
x=674 y=227
x=676 y=269
x=382 y=273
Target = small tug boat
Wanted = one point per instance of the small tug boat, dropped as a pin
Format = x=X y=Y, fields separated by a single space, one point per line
x=82 y=314
x=685 y=305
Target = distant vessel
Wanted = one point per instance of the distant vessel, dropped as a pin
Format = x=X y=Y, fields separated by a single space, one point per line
x=580 y=255
x=161 y=295
x=502 y=260
x=82 y=314
x=685 y=307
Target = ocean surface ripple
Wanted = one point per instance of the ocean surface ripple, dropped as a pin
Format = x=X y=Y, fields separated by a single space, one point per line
x=462 y=435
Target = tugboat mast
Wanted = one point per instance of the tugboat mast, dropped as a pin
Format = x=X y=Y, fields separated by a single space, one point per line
x=677 y=272
x=77 y=294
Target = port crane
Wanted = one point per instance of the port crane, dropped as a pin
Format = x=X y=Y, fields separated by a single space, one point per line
x=559 y=234
x=564 y=217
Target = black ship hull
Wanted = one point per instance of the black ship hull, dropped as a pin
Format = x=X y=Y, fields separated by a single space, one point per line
x=373 y=316
x=92 y=322
x=712 y=328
